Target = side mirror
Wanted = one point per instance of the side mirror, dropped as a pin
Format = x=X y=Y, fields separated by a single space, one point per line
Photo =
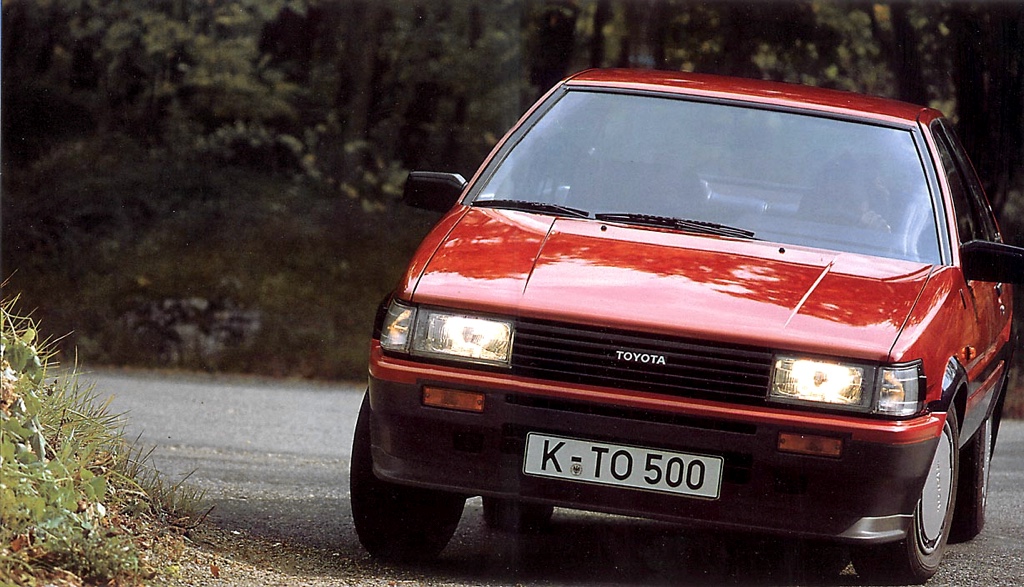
x=432 y=190
x=993 y=262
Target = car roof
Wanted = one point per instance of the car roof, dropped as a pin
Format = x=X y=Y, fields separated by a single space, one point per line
x=768 y=93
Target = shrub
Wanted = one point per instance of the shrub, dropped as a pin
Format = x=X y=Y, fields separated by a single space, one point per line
x=72 y=491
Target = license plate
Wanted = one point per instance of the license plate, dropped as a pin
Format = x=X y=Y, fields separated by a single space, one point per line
x=602 y=463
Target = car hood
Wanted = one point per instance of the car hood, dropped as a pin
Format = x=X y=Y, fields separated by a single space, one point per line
x=668 y=282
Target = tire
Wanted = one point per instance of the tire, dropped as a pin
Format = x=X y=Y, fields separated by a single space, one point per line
x=394 y=522
x=916 y=558
x=512 y=516
x=972 y=491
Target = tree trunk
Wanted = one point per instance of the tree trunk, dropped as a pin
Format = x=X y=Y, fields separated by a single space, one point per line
x=969 y=78
x=904 y=55
x=602 y=14
x=988 y=73
x=556 y=40
x=1005 y=149
x=357 y=62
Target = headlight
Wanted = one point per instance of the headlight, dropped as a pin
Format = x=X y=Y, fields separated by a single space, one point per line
x=891 y=391
x=448 y=335
x=460 y=336
x=819 y=382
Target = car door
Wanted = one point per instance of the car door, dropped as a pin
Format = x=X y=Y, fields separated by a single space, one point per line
x=983 y=358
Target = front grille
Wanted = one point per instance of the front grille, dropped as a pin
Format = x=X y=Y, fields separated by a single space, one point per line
x=632 y=360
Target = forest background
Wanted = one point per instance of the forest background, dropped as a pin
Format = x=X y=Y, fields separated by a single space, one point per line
x=213 y=184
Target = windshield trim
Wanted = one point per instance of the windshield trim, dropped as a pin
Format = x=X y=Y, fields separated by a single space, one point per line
x=809 y=109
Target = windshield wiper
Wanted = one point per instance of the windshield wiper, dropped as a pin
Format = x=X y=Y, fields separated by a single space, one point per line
x=528 y=206
x=700 y=226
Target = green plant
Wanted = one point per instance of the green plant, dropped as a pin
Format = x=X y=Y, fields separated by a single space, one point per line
x=71 y=488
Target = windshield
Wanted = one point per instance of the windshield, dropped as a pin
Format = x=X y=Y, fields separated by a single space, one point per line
x=789 y=178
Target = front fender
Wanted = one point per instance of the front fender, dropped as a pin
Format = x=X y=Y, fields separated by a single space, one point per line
x=957 y=389
x=954 y=391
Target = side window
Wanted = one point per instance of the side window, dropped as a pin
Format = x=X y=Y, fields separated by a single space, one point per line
x=979 y=203
x=967 y=223
x=973 y=213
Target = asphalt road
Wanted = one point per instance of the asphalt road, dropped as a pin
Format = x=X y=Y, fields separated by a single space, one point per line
x=272 y=458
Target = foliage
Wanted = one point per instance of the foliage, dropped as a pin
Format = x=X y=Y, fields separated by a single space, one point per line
x=281 y=278
x=328 y=88
x=69 y=484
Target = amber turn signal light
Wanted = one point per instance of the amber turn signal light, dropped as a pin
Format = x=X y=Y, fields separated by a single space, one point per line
x=464 y=401
x=810 y=444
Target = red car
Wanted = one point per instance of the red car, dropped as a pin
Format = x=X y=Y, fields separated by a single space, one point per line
x=721 y=302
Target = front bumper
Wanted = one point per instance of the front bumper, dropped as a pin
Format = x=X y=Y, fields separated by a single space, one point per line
x=868 y=495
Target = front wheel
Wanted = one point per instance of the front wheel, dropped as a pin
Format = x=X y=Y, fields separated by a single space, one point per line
x=916 y=558
x=972 y=492
x=395 y=522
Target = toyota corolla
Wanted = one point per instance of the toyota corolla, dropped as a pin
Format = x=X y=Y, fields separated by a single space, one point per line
x=720 y=302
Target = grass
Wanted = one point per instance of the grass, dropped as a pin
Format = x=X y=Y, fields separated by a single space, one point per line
x=77 y=502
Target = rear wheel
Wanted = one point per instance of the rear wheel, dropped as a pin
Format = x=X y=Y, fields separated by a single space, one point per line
x=916 y=558
x=972 y=492
x=514 y=516
x=396 y=522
